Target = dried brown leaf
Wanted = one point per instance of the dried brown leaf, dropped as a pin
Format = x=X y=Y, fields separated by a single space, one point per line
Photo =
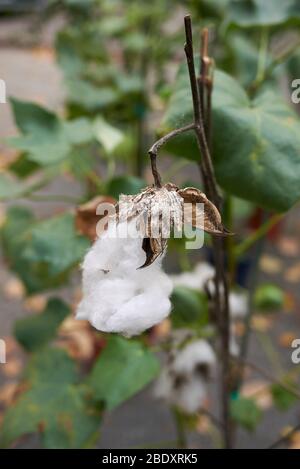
x=208 y=218
x=86 y=217
x=153 y=247
x=286 y=338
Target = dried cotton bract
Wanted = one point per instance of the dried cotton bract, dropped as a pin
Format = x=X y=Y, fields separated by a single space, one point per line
x=183 y=382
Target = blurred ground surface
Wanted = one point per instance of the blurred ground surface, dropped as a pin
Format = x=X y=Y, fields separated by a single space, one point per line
x=31 y=74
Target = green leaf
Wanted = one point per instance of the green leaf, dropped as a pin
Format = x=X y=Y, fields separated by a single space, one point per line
x=53 y=405
x=123 y=369
x=282 y=398
x=10 y=187
x=41 y=253
x=256 y=144
x=189 y=308
x=35 y=331
x=109 y=137
x=245 y=412
x=88 y=96
x=43 y=134
x=251 y=13
x=79 y=131
x=46 y=138
x=18 y=220
x=269 y=297
x=124 y=185
x=23 y=166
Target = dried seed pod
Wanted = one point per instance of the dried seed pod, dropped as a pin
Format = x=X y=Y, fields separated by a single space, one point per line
x=161 y=210
x=207 y=218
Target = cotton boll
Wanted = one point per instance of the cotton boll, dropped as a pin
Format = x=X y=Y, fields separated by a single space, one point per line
x=204 y=272
x=117 y=297
x=238 y=305
x=181 y=383
x=140 y=313
x=190 y=396
x=195 y=279
x=193 y=354
x=164 y=386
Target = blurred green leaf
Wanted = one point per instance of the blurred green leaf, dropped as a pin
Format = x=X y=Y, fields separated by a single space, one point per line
x=23 y=166
x=35 y=331
x=109 y=137
x=269 y=297
x=245 y=412
x=251 y=13
x=282 y=398
x=189 y=308
x=89 y=96
x=41 y=253
x=124 y=185
x=43 y=136
x=52 y=405
x=47 y=139
x=256 y=144
x=10 y=187
x=79 y=131
x=123 y=369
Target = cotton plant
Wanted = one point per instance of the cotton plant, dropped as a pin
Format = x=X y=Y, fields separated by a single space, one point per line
x=201 y=278
x=183 y=382
x=125 y=289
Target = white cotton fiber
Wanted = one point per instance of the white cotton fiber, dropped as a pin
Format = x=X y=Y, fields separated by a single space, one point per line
x=195 y=279
x=117 y=297
x=238 y=304
x=180 y=383
x=193 y=354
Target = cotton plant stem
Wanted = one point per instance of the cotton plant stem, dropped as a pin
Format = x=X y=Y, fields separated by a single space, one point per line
x=153 y=151
x=284 y=438
x=180 y=429
x=269 y=377
x=199 y=129
x=272 y=65
x=241 y=248
x=262 y=55
x=198 y=89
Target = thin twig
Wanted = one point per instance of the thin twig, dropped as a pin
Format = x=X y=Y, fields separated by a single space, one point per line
x=210 y=182
x=156 y=146
x=199 y=91
x=268 y=376
x=285 y=438
x=258 y=234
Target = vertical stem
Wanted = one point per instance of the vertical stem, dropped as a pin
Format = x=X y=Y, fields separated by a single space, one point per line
x=228 y=221
x=202 y=119
x=262 y=55
x=179 y=421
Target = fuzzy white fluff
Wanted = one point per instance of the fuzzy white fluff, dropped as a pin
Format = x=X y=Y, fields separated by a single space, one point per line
x=202 y=275
x=238 y=304
x=195 y=279
x=179 y=384
x=193 y=354
x=116 y=296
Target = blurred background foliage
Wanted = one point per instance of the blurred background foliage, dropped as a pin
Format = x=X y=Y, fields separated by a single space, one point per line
x=126 y=84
